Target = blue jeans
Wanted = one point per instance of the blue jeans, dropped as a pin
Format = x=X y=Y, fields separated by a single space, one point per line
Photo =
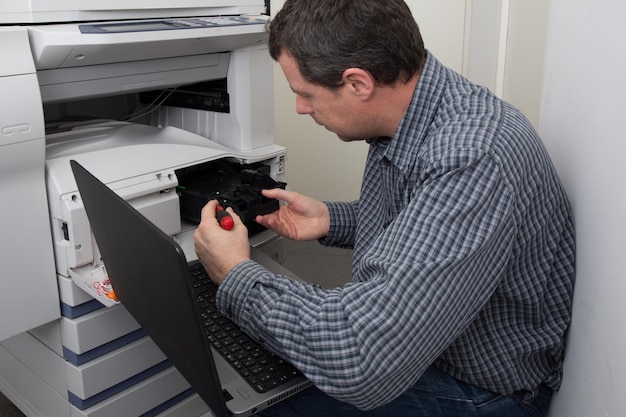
x=436 y=394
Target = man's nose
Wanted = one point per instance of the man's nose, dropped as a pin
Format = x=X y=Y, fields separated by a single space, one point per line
x=302 y=106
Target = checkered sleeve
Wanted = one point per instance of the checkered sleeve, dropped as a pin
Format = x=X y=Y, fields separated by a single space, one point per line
x=367 y=342
x=343 y=221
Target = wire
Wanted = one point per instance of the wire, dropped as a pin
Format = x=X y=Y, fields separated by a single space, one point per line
x=154 y=105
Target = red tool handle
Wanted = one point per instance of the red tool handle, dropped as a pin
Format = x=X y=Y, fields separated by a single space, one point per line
x=224 y=218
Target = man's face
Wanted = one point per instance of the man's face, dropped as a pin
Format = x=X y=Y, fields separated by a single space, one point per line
x=337 y=110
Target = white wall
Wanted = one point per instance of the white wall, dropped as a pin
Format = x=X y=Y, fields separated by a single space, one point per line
x=505 y=44
x=583 y=121
x=522 y=80
x=319 y=164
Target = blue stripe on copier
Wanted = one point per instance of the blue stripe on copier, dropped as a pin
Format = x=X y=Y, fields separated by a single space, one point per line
x=83 y=404
x=170 y=403
x=81 y=358
x=71 y=312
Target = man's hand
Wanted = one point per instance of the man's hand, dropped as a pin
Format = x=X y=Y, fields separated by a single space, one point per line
x=302 y=218
x=220 y=250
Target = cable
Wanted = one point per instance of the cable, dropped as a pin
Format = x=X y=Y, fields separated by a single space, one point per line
x=154 y=105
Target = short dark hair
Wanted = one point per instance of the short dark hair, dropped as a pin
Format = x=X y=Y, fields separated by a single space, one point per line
x=326 y=37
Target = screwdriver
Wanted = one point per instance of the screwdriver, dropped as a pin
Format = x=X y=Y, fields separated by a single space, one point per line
x=224 y=218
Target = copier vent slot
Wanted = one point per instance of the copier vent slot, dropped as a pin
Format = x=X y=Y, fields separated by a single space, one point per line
x=232 y=184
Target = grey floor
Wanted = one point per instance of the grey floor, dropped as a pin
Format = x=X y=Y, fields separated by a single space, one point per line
x=310 y=261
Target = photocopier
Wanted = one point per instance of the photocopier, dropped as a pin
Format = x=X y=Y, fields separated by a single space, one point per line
x=169 y=103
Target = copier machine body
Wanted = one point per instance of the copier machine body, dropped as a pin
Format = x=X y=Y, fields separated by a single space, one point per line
x=72 y=77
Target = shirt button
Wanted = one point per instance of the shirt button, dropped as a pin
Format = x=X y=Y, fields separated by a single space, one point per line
x=386 y=162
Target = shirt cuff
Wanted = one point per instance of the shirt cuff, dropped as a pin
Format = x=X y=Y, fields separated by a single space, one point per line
x=342 y=225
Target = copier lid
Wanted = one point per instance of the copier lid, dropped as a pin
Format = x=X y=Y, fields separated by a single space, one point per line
x=46 y=11
x=72 y=45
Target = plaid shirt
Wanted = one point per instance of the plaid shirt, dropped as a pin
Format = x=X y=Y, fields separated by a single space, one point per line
x=463 y=257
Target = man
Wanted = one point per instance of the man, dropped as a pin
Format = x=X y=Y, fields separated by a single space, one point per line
x=463 y=266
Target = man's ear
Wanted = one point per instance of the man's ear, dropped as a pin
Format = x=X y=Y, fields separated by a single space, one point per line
x=359 y=82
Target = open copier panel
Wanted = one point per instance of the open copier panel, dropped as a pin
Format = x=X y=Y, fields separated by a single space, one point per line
x=166 y=173
x=157 y=102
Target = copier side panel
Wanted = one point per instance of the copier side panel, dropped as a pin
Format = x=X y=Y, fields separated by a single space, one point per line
x=29 y=297
x=71 y=95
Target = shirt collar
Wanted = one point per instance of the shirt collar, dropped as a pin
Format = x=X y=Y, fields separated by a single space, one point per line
x=413 y=128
